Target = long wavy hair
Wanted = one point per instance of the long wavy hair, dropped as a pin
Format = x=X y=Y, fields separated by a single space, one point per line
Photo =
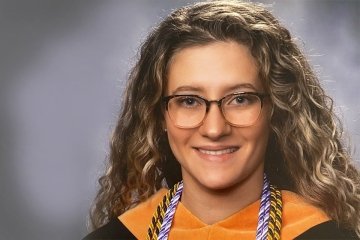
x=305 y=154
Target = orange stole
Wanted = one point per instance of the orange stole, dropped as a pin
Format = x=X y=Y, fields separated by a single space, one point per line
x=298 y=216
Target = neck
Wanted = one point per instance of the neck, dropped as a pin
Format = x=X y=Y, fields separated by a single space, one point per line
x=214 y=205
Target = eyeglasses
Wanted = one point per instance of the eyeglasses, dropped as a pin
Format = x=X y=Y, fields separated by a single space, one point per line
x=239 y=109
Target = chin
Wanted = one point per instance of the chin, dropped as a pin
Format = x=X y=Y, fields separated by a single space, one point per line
x=219 y=183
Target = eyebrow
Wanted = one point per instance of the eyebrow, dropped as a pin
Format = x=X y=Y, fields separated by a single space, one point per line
x=188 y=88
x=201 y=89
x=242 y=85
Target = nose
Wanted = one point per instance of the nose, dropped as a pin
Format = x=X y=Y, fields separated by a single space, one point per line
x=214 y=125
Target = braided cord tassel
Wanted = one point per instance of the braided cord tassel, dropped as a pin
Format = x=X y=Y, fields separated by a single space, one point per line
x=169 y=214
x=274 y=225
x=158 y=216
x=264 y=211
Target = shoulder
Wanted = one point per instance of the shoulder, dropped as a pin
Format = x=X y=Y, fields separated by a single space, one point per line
x=112 y=230
x=132 y=224
x=137 y=219
x=303 y=220
x=299 y=215
x=327 y=230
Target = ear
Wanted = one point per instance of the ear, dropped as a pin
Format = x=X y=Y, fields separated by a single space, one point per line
x=163 y=125
x=163 y=121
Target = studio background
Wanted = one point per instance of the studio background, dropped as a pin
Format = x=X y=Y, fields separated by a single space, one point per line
x=63 y=65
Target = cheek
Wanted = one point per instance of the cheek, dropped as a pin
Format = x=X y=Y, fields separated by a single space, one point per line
x=261 y=134
x=262 y=129
x=258 y=134
x=178 y=138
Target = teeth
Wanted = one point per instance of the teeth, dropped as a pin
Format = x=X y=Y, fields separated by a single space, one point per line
x=217 y=152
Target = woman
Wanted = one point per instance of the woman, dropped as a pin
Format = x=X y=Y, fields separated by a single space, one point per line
x=224 y=109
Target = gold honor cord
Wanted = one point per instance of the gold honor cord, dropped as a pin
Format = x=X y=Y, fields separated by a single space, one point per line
x=159 y=214
x=274 y=225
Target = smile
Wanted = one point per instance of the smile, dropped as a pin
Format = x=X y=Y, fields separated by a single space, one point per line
x=217 y=152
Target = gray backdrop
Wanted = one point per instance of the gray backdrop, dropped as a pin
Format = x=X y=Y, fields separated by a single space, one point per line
x=62 y=68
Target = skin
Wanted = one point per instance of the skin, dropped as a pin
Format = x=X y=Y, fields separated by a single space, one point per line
x=217 y=186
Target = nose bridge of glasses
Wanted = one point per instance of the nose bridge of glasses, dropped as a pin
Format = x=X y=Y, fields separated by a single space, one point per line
x=214 y=122
x=217 y=102
x=219 y=105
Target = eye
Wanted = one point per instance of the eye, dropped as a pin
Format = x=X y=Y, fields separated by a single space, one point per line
x=188 y=101
x=242 y=100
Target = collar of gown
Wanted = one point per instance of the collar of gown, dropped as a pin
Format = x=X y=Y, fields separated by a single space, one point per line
x=297 y=217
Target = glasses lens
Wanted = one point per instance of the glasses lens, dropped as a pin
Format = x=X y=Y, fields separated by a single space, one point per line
x=242 y=109
x=186 y=111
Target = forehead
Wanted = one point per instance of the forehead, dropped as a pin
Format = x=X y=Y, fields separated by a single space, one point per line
x=213 y=69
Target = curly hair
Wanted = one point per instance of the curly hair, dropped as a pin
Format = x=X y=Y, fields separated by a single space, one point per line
x=305 y=153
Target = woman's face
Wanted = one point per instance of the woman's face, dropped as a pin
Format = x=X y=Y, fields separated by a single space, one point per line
x=216 y=155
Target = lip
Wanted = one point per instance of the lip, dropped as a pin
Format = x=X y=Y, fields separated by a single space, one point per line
x=216 y=153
